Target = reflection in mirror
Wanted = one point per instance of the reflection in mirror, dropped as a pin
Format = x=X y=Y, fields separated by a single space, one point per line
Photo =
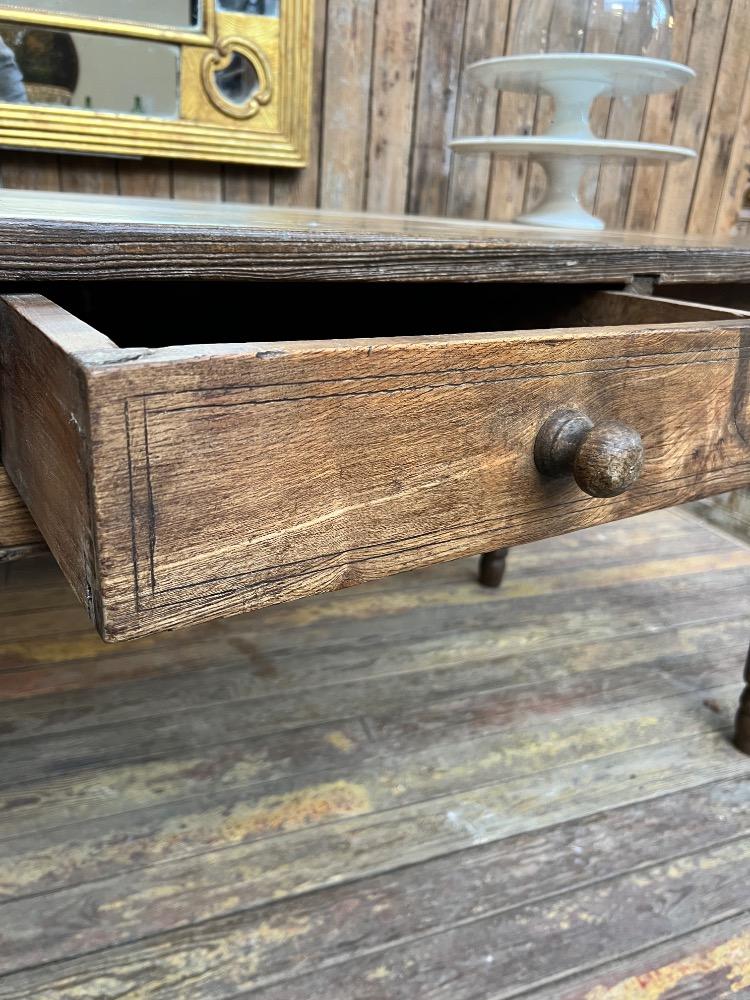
x=170 y=13
x=239 y=81
x=87 y=71
x=268 y=7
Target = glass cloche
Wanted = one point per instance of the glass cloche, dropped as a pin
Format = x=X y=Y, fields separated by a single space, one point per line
x=624 y=27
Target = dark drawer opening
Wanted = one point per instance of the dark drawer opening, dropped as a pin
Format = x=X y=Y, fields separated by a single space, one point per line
x=147 y=315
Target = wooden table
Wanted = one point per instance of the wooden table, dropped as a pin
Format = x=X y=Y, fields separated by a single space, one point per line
x=352 y=396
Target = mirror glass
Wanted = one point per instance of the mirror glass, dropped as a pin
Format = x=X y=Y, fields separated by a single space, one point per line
x=269 y=8
x=206 y=80
x=88 y=72
x=239 y=81
x=170 y=13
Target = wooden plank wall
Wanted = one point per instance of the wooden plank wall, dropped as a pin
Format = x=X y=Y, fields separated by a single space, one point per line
x=389 y=92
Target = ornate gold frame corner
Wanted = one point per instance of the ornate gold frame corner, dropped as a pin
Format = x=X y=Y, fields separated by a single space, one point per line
x=272 y=127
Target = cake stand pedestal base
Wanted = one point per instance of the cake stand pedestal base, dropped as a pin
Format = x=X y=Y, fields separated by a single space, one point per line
x=561 y=206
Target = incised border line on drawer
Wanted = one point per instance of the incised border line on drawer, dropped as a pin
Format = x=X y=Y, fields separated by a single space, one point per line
x=137 y=413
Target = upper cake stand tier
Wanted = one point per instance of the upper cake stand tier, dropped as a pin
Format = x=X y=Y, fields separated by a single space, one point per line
x=575 y=80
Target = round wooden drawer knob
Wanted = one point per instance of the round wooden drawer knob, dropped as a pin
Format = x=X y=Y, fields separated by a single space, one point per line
x=604 y=459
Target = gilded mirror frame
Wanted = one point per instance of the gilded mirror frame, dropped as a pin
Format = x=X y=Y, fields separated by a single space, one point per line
x=271 y=127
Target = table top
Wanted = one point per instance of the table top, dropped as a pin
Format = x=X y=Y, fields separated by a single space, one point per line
x=50 y=236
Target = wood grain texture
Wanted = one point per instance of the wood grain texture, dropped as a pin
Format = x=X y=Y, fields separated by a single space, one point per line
x=372 y=800
x=516 y=116
x=710 y=962
x=485 y=34
x=38 y=172
x=197 y=181
x=37 y=659
x=17 y=528
x=704 y=56
x=620 y=308
x=88 y=175
x=613 y=915
x=144 y=178
x=43 y=415
x=737 y=179
x=335 y=462
x=195 y=674
x=395 y=63
x=724 y=124
x=435 y=108
x=659 y=120
x=142 y=238
x=730 y=511
x=608 y=185
x=345 y=114
x=239 y=185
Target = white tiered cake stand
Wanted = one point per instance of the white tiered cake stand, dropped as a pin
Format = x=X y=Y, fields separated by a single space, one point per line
x=569 y=146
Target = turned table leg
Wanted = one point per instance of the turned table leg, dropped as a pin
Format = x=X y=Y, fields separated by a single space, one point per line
x=492 y=568
x=742 y=728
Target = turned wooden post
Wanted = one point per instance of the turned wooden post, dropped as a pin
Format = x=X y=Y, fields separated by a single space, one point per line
x=742 y=727
x=492 y=568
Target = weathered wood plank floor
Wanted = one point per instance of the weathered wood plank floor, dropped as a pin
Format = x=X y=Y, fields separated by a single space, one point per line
x=415 y=790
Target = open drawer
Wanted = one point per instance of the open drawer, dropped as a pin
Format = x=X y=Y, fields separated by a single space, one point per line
x=178 y=484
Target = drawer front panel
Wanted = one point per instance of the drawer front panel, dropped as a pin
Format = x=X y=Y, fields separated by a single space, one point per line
x=282 y=488
x=226 y=481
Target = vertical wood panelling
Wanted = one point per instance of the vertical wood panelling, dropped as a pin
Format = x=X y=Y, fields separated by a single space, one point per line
x=346 y=103
x=389 y=93
x=197 y=181
x=658 y=125
x=485 y=34
x=505 y=197
x=442 y=47
x=694 y=109
x=144 y=178
x=737 y=178
x=398 y=30
x=247 y=184
x=37 y=172
x=88 y=175
x=722 y=125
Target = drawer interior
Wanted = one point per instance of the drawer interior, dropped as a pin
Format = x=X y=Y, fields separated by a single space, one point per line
x=731 y=295
x=137 y=315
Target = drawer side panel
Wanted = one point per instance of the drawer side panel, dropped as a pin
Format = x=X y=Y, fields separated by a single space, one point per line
x=44 y=426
